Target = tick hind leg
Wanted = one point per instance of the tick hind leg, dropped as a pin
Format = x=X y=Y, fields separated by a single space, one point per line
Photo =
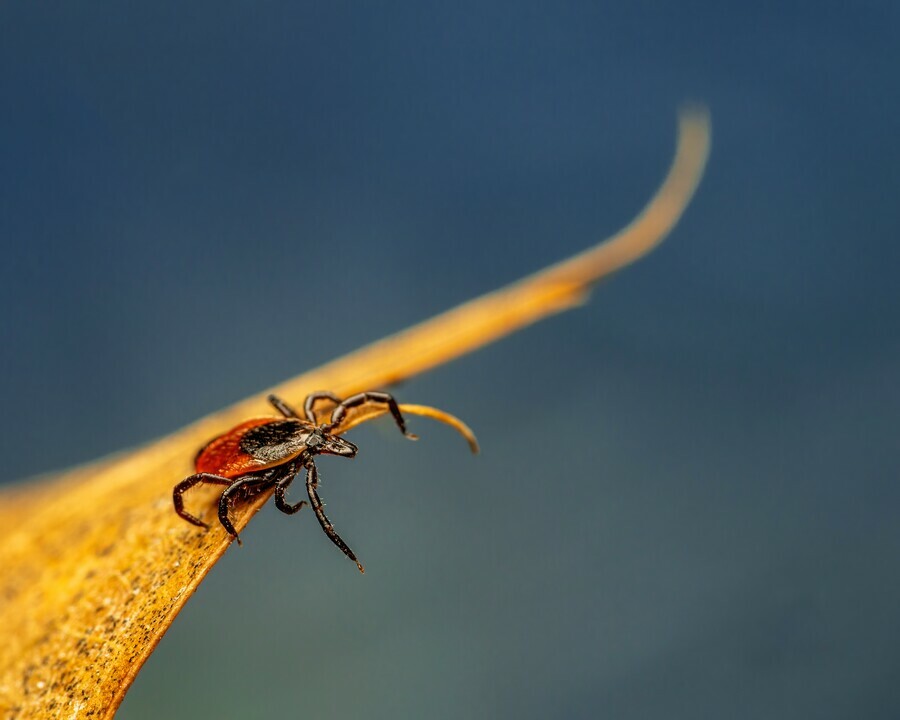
x=340 y=412
x=235 y=486
x=282 y=407
x=281 y=486
x=185 y=485
x=312 y=482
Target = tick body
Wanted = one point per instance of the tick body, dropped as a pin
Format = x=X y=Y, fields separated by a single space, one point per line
x=267 y=452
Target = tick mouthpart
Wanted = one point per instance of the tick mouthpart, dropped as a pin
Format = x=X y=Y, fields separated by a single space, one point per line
x=334 y=445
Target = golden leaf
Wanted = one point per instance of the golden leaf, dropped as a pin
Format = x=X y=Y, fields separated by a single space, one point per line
x=96 y=564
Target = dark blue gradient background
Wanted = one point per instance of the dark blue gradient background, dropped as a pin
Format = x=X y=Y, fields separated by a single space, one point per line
x=688 y=498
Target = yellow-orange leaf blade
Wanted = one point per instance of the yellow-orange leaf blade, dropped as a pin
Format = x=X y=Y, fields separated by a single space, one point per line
x=94 y=563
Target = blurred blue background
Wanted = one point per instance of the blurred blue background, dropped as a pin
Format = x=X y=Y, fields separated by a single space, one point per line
x=687 y=501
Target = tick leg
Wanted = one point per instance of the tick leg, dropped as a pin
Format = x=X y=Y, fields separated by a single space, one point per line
x=312 y=482
x=353 y=401
x=185 y=485
x=313 y=398
x=225 y=501
x=281 y=487
x=282 y=407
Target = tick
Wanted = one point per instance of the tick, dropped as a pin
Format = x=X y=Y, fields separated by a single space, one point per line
x=272 y=451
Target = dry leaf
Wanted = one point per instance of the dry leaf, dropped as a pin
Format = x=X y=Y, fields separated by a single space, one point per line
x=95 y=563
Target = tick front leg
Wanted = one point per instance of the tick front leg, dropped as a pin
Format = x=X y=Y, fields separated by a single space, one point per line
x=340 y=412
x=185 y=485
x=312 y=482
x=311 y=400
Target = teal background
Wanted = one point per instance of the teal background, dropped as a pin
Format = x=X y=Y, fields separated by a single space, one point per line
x=687 y=501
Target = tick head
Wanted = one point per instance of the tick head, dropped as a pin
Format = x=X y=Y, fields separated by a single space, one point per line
x=321 y=443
